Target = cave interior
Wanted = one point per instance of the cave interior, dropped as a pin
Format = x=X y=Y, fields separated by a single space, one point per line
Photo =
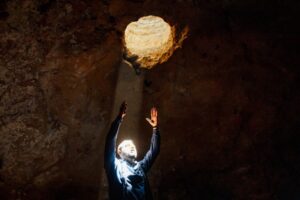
x=226 y=92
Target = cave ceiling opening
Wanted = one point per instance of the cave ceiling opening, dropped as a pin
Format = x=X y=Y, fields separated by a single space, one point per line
x=150 y=40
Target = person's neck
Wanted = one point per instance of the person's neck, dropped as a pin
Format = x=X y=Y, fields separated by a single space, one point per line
x=130 y=161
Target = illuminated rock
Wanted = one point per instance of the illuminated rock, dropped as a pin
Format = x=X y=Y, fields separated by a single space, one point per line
x=151 y=39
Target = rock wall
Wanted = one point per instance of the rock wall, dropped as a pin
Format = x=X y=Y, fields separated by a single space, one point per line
x=228 y=99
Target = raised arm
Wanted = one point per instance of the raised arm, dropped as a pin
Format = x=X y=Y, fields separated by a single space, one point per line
x=110 y=143
x=153 y=151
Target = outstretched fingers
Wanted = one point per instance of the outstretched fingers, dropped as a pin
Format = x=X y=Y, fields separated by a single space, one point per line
x=153 y=117
x=123 y=109
x=153 y=112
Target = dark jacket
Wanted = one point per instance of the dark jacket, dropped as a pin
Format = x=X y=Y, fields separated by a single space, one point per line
x=128 y=181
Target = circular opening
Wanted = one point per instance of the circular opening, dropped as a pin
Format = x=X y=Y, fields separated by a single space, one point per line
x=150 y=39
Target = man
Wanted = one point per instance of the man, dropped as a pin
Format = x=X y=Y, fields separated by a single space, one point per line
x=126 y=176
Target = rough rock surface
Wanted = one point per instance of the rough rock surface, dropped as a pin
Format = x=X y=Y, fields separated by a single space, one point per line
x=228 y=99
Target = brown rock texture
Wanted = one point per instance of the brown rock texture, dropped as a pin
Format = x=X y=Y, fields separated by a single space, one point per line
x=228 y=99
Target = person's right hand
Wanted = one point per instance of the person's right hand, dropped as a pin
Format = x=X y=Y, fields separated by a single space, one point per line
x=153 y=117
x=123 y=109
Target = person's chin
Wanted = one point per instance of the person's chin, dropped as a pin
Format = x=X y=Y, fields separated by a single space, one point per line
x=132 y=156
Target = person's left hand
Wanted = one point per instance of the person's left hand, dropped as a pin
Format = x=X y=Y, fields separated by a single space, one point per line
x=153 y=121
x=123 y=109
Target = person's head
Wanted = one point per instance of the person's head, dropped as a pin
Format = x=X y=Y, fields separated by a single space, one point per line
x=127 y=150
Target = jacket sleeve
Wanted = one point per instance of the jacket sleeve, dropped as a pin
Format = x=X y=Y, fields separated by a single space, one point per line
x=153 y=151
x=110 y=144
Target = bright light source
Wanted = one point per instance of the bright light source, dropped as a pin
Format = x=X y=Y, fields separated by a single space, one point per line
x=151 y=39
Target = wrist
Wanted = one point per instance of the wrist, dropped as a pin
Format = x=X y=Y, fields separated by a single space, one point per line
x=120 y=117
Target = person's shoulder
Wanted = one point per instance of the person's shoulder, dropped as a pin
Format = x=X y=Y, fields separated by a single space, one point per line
x=117 y=161
x=138 y=164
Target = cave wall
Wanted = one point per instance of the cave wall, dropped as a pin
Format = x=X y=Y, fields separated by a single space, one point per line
x=227 y=100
